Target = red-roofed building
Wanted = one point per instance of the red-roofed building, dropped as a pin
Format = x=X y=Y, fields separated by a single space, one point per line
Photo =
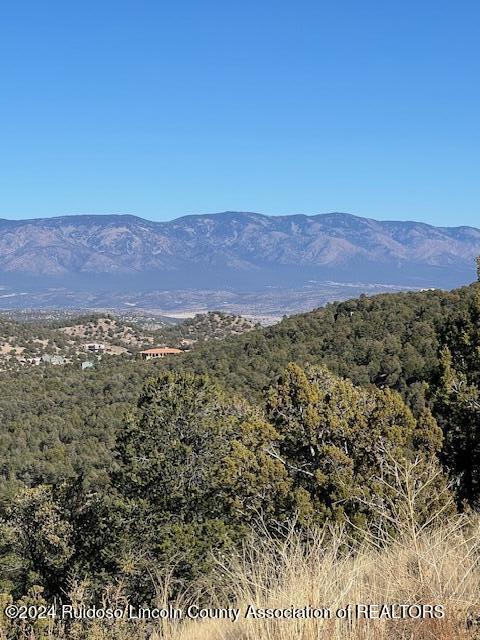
x=159 y=352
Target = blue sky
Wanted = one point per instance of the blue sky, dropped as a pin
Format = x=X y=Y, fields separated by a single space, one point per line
x=168 y=108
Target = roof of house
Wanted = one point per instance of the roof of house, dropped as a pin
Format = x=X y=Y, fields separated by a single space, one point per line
x=162 y=350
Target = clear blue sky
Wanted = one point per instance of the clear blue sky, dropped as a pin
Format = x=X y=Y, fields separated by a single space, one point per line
x=169 y=108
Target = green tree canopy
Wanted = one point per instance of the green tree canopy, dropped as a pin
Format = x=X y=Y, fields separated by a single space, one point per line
x=193 y=472
x=336 y=438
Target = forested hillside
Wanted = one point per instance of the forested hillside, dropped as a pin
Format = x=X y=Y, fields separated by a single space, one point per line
x=108 y=470
x=388 y=340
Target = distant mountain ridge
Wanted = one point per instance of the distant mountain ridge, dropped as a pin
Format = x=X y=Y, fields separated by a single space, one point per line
x=233 y=250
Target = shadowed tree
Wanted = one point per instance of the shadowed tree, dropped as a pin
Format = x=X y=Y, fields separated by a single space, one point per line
x=36 y=542
x=193 y=474
x=457 y=406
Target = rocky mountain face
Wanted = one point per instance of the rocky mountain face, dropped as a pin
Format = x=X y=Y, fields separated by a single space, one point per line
x=231 y=250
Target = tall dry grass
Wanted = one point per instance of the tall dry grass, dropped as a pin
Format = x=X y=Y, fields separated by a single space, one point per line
x=402 y=560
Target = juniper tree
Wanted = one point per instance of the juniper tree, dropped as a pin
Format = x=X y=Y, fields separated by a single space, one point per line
x=193 y=473
x=457 y=406
x=336 y=439
x=36 y=542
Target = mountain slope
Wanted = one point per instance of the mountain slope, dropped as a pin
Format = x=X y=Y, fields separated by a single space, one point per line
x=231 y=250
x=389 y=340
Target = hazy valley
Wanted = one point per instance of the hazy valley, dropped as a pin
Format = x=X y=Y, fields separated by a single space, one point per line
x=243 y=263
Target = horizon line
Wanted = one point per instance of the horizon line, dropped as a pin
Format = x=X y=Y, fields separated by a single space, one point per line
x=232 y=211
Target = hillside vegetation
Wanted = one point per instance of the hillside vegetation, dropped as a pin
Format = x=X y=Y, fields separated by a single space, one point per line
x=130 y=474
x=419 y=568
x=25 y=344
x=390 y=340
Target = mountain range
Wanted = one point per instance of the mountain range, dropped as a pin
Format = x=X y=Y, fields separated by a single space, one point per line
x=235 y=252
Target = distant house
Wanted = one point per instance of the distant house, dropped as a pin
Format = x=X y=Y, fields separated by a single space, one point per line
x=95 y=347
x=159 y=352
x=53 y=359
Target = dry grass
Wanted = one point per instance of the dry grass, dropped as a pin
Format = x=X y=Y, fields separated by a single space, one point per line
x=442 y=568
x=433 y=562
